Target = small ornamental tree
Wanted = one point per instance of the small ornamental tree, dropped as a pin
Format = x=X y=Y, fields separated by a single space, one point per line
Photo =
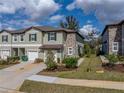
x=50 y=62
x=87 y=50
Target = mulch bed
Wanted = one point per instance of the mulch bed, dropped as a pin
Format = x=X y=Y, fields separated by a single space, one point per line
x=60 y=69
x=116 y=67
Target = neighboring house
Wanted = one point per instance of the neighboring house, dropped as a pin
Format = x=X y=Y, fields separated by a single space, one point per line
x=36 y=41
x=113 y=39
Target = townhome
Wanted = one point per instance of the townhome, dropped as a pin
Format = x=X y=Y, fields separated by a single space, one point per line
x=113 y=39
x=36 y=41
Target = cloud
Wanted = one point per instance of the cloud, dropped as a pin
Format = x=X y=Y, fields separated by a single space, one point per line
x=17 y=24
x=70 y=6
x=56 y=17
x=107 y=11
x=34 y=8
x=87 y=29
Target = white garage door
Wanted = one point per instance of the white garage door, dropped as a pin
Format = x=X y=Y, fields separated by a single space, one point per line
x=5 y=54
x=32 y=55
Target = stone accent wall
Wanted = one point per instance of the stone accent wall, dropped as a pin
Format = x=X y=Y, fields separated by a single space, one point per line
x=115 y=36
x=70 y=42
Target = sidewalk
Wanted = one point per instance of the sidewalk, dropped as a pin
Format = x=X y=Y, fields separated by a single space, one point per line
x=79 y=82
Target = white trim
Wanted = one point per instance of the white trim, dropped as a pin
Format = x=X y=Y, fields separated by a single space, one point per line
x=52 y=35
x=69 y=50
x=30 y=50
x=31 y=37
x=81 y=44
x=114 y=46
x=20 y=45
x=13 y=38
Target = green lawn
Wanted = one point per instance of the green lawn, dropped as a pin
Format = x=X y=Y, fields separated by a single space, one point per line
x=38 y=87
x=81 y=73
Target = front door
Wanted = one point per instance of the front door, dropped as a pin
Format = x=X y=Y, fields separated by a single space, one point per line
x=54 y=53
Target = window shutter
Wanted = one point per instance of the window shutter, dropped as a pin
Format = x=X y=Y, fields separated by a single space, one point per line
x=29 y=37
x=55 y=36
x=48 y=36
x=35 y=37
x=2 y=38
x=6 y=38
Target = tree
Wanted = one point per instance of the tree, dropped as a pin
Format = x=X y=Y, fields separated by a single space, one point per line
x=51 y=65
x=70 y=23
x=94 y=40
x=87 y=50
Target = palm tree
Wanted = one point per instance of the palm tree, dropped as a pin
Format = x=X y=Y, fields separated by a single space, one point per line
x=70 y=23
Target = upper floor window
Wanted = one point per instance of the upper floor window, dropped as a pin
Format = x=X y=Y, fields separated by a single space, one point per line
x=15 y=38
x=32 y=37
x=115 y=46
x=4 y=38
x=21 y=38
x=70 y=50
x=51 y=36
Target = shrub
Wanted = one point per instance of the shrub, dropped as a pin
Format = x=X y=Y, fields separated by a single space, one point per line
x=70 y=62
x=121 y=58
x=14 y=62
x=38 y=60
x=3 y=62
x=51 y=65
x=112 y=58
x=13 y=58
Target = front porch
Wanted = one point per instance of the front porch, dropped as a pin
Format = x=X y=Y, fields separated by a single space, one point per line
x=18 y=51
x=56 y=49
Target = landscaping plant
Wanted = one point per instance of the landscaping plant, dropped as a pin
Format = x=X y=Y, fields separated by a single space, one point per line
x=3 y=62
x=13 y=60
x=121 y=58
x=112 y=59
x=38 y=60
x=87 y=50
x=50 y=62
x=70 y=62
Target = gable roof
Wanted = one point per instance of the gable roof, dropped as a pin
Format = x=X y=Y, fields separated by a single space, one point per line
x=43 y=29
x=111 y=25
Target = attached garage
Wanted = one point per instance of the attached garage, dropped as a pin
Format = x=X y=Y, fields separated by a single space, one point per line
x=32 y=55
x=4 y=53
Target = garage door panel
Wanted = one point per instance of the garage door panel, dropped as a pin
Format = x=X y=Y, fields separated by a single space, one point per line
x=32 y=55
x=5 y=54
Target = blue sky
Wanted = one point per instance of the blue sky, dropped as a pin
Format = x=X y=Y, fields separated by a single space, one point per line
x=91 y=14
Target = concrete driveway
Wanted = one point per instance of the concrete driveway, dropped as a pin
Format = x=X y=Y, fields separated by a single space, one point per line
x=11 y=78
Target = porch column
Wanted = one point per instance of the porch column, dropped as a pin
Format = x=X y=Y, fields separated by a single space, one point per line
x=18 y=52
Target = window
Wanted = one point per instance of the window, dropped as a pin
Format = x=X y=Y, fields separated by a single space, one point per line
x=51 y=36
x=70 y=51
x=15 y=38
x=5 y=38
x=32 y=37
x=21 y=38
x=115 y=46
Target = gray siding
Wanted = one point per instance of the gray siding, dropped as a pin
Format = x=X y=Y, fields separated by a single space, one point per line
x=26 y=37
x=59 y=38
x=112 y=34
x=9 y=37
